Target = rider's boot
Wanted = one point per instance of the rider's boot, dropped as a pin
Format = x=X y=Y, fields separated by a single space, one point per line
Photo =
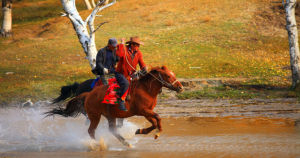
x=122 y=105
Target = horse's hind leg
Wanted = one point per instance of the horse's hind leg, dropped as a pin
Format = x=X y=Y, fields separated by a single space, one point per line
x=113 y=130
x=120 y=122
x=149 y=129
x=94 y=123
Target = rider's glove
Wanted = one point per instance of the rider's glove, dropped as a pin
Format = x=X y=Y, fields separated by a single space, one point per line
x=144 y=70
x=105 y=70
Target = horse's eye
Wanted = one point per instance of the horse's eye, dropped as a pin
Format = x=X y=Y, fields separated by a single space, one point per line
x=169 y=77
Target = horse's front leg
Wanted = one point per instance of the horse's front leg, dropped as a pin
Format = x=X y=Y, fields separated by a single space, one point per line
x=113 y=130
x=158 y=119
x=153 y=121
x=150 y=113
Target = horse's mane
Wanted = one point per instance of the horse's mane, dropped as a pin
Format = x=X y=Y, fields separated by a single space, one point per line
x=148 y=75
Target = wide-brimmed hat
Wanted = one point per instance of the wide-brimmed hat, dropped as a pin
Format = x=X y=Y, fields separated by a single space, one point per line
x=136 y=40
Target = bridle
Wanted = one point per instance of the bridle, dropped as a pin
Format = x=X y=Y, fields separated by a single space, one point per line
x=162 y=81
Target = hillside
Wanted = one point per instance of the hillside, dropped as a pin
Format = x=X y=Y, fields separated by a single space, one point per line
x=194 y=38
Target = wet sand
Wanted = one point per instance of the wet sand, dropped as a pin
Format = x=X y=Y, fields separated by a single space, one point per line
x=262 y=134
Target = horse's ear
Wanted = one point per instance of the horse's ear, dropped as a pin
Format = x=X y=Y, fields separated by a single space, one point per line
x=164 y=67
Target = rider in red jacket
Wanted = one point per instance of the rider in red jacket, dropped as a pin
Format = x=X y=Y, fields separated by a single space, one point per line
x=129 y=56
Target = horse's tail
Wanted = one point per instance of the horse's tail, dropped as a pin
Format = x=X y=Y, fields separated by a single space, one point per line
x=74 y=107
x=66 y=92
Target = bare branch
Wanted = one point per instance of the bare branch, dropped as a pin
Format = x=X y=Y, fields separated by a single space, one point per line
x=107 y=5
x=63 y=14
x=93 y=15
x=87 y=19
x=95 y=11
x=93 y=3
x=100 y=26
x=88 y=4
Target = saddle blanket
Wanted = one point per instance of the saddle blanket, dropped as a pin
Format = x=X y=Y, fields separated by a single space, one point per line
x=111 y=96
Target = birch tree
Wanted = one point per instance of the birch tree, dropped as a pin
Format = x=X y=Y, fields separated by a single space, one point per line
x=106 y=2
x=93 y=3
x=88 y=5
x=6 y=29
x=86 y=36
x=291 y=27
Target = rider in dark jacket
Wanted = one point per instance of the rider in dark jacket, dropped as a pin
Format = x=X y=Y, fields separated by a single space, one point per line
x=106 y=60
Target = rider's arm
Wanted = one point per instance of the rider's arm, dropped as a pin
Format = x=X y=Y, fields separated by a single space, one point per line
x=141 y=61
x=120 y=50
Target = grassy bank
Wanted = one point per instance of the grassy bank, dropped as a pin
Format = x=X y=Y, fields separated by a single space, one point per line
x=195 y=39
x=227 y=92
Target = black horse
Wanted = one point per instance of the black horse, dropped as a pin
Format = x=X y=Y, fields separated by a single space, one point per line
x=73 y=90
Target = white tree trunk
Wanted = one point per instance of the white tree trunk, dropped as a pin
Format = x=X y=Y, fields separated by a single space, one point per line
x=291 y=28
x=86 y=38
x=6 y=29
x=88 y=5
x=93 y=3
x=106 y=2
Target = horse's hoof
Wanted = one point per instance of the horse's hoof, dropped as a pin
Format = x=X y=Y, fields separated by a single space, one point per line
x=92 y=145
x=129 y=146
x=156 y=135
x=138 y=131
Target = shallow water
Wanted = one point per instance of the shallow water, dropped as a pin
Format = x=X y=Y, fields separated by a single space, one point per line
x=24 y=132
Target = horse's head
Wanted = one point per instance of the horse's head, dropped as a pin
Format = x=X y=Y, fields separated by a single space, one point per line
x=167 y=79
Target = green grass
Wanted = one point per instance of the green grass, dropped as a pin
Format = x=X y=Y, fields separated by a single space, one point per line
x=225 y=92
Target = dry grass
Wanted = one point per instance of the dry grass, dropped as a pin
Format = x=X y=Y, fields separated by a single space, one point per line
x=170 y=23
x=205 y=19
x=219 y=37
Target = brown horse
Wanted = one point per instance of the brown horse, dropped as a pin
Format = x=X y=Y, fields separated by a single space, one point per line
x=143 y=98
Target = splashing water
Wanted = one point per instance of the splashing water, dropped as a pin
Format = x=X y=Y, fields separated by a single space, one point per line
x=26 y=129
